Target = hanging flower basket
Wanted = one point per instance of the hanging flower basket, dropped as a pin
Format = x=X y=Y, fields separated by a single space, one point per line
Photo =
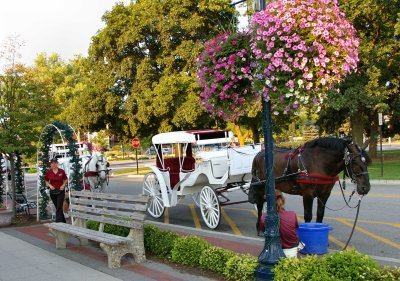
x=225 y=74
x=301 y=49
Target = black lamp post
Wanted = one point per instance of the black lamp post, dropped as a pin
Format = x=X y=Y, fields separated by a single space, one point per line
x=272 y=251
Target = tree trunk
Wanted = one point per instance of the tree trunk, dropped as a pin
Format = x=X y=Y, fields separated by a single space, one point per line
x=12 y=172
x=357 y=129
x=255 y=132
x=239 y=133
x=373 y=139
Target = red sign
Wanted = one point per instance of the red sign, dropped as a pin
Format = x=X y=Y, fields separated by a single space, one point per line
x=135 y=142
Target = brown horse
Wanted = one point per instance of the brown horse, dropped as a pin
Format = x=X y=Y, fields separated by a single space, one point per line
x=311 y=171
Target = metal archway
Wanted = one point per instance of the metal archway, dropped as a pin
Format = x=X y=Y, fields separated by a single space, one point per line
x=49 y=129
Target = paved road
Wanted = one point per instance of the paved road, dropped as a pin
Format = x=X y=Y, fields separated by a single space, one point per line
x=377 y=232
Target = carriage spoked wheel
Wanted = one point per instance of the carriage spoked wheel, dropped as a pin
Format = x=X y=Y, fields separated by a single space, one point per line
x=151 y=187
x=209 y=207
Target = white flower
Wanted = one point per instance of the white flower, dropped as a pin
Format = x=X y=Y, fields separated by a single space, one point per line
x=300 y=82
x=267 y=82
x=276 y=113
x=288 y=95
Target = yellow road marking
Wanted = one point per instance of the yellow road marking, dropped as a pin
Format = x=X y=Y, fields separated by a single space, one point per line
x=194 y=216
x=362 y=230
x=166 y=216
x=254 y=212
x=331 y=238
x=230 y=222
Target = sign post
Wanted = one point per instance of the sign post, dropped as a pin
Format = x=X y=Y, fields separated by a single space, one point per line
x=380 y=119
x=136 y=144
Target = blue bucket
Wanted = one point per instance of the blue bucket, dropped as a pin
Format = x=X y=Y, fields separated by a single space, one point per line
x=315 y=237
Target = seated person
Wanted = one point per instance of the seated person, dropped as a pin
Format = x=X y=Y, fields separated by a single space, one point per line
x=288 y=225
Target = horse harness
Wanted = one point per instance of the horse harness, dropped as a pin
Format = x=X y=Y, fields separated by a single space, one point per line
x=95 y=173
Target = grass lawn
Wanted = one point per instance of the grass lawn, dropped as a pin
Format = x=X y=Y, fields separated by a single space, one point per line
x=391 y=166
x=142 y=171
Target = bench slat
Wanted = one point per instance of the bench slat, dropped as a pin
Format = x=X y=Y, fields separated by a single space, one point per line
x=140 y=216
x=120 y=197
x=130 y=224
x=89 y=234
x=110 y=204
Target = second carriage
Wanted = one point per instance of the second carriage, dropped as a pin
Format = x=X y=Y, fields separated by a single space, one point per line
x=201 y=164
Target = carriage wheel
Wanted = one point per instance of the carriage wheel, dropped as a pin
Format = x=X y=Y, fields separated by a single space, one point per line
x=151 y=187
x=196 y=199
x=209 y=207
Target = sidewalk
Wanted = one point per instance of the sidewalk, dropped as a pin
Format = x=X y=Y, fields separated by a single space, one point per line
x=29 y=253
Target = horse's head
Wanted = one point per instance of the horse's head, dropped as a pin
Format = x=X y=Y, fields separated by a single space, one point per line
x=356 y=160
x=102 y=167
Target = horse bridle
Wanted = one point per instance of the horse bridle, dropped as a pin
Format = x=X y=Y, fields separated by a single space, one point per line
x=348 y=162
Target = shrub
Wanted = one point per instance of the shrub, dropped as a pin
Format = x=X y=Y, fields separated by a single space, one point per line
x=241 y=267
x=92 y=225
x=390 y=273
x=304 y=269
x=116 y=230
x=351 y=265
x=215 y=259
x=151 y=234
x=188 y=249
x=159 y=242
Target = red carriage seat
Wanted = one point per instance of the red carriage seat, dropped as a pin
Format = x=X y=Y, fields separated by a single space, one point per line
x=172 y=165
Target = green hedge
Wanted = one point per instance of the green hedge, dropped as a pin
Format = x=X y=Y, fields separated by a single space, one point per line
x=342 y=265
x=159 y=243
x=195 y=251
x=188 y=249
x=241 y=267
x=215 y=259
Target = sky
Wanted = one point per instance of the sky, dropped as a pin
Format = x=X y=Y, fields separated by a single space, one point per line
x=64 y=27
x=52 y=26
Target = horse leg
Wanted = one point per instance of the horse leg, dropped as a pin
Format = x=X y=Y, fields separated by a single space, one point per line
x=307 y=205
x=321 y=206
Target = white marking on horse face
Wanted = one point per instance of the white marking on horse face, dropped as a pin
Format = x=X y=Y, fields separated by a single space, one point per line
x=102 y=175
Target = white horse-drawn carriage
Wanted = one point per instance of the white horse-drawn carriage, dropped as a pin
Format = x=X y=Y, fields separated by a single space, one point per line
x=203 y=166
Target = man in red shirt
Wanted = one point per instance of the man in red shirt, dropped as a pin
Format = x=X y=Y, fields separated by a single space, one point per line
x=56 y=179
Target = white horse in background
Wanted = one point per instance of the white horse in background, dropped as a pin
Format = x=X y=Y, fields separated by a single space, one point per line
x=95 y=172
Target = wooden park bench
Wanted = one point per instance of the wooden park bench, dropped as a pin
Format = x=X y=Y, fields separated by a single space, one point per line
x=115 y=209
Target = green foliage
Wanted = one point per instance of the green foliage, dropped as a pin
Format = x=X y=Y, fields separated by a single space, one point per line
x=159 y=242
x=341 y=265
x=304 y=269
x=19 y=175
x=374 y=88
x=215 y=259
x=94 y=225
x=351 y=265
x=390 y=273
x=241 y=267
x=188 y=249
x=144 y=74
x=47 y=137
x=116 y=230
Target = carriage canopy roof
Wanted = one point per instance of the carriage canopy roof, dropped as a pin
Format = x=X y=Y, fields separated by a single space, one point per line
x=200 y=137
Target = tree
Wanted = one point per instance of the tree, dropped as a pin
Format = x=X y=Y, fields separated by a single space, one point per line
x=375 y=86
x=145 y=57
x=20 y=117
